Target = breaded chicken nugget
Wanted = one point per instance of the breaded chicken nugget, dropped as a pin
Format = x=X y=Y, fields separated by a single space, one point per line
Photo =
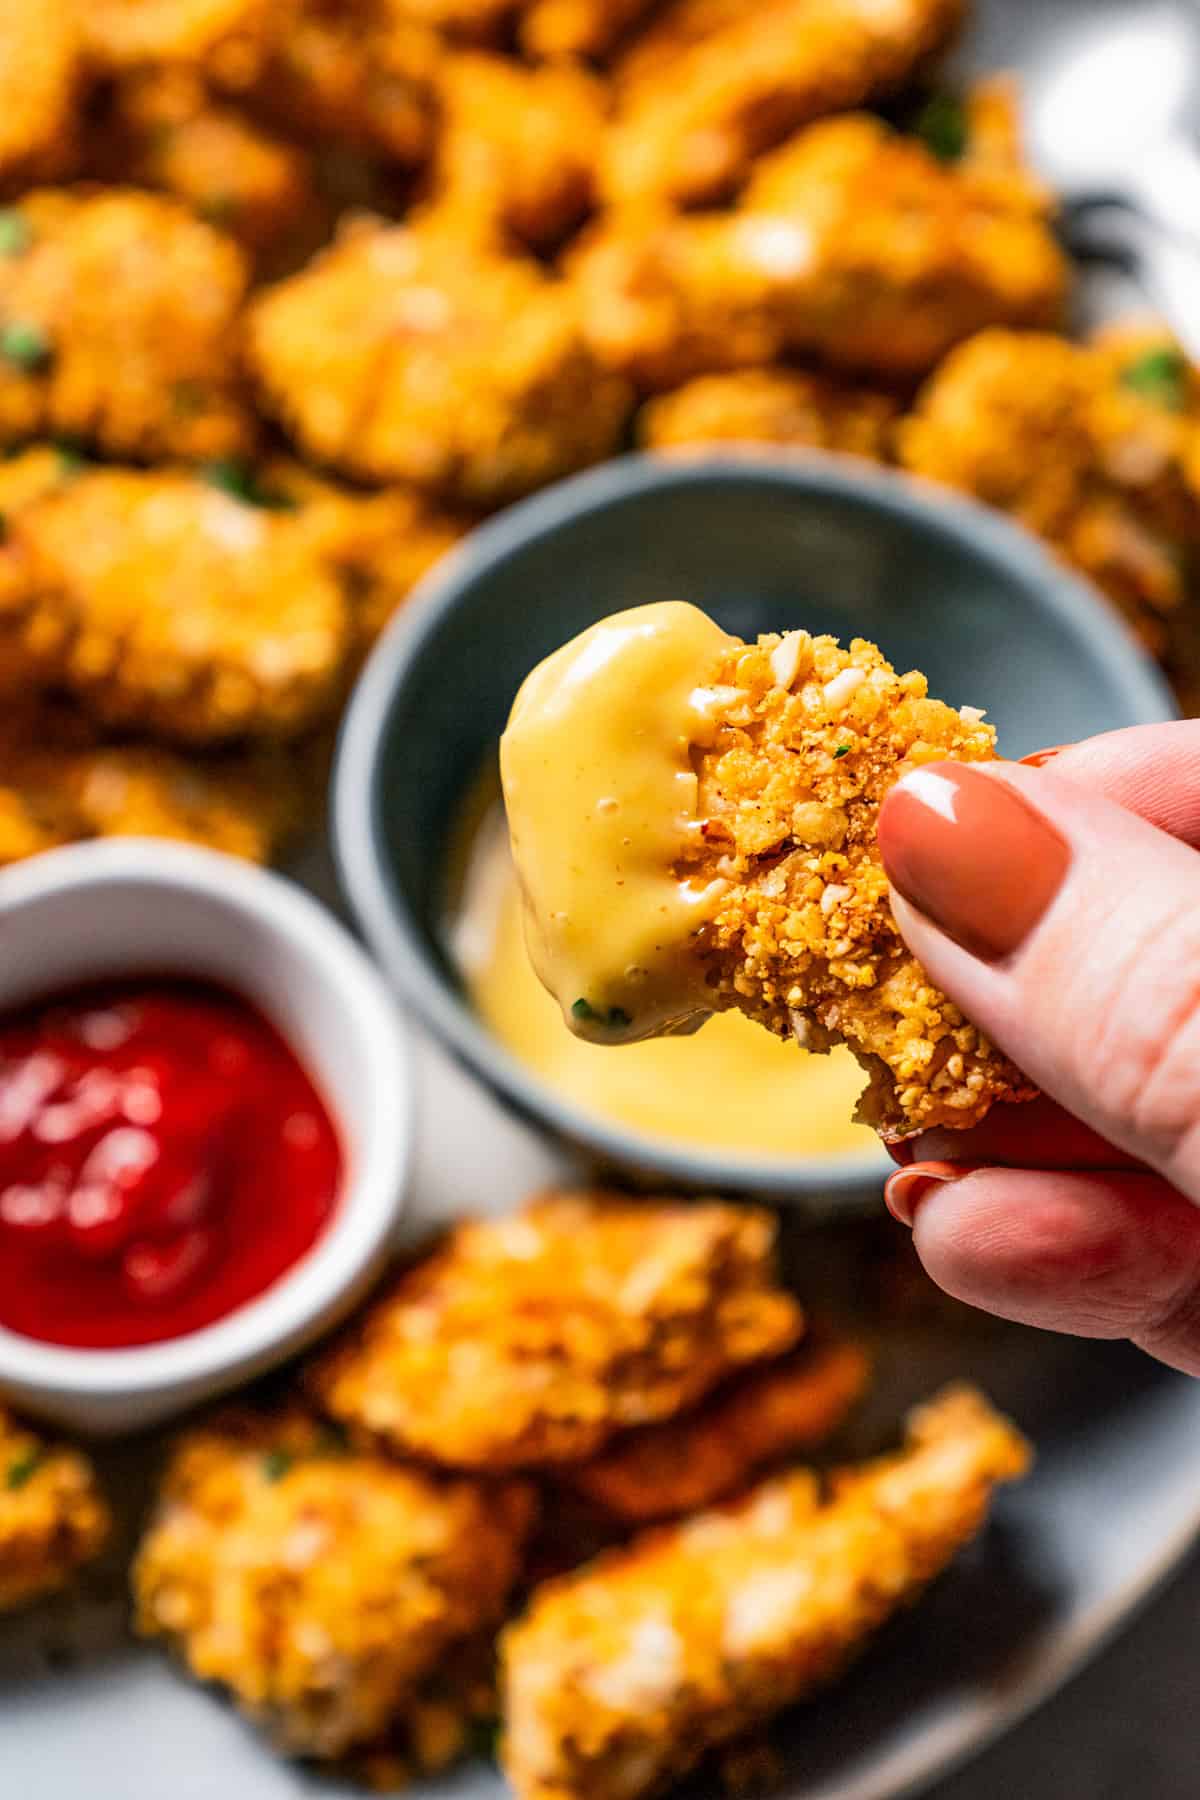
x=783 y=1409
x=851 y=243
x=530 y=1340
x=414 y=354
x=1095 y=447
x=163 y=603
x=565 y=28
x=52 y=1515
x=453 y=1713
x=228 y=39
x=519 y=146
x=620 y=1678
x=118 y=319
x=39 y=84
x=776 y=406
x=320 y=1588
x=711 y=84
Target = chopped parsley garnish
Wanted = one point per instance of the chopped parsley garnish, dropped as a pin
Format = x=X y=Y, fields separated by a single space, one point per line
x=241 y=483
x=842 y=750
x=942 y=127
x=616 y=1018
x=1160 y=375
x=71 y=456
x=276 y=1463
x=24 y=344
x=15 y=234
x=22 y=1469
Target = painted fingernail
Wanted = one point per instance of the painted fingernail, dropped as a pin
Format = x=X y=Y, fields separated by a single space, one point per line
x=909 y=1187
x=973 y=855
x=1041 y=757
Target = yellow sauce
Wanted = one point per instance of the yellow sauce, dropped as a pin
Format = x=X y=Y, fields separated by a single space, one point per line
x=733 y=1087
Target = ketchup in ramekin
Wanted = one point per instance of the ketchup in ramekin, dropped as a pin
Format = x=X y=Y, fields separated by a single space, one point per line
x=164 y=1158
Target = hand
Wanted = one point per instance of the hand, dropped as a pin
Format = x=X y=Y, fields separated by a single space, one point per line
x=1059 y=906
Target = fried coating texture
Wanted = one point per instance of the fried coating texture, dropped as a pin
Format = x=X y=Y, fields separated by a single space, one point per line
x=118 y=315
x=557 y=29
x=810 y=739
x=519 y=147
x=852 y=244
x=413 y=354
x=530 y=1340
x=163 y=603
x=784 y=1409
x=711 y=84
x=39 y=84
x=620 y=1678
x=1096 y=447
x=320 y=1588
x=52 y=1515
x=776 y=406
x=228 y=39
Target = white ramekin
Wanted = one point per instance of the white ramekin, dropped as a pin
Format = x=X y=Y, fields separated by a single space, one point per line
x=142 y=907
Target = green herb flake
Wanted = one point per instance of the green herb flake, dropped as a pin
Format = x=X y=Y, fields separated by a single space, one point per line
x=943 y=128
x=583 y=1009
x=276 y=1463
x=842 y=750
x=1160 y=375
x=15 y=235
x=241 y=483
x=616 y=1018
x=23 y=1469
x=24 y=344
x=72 y=458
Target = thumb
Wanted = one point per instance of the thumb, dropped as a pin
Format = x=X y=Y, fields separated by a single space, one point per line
x=1068 y=930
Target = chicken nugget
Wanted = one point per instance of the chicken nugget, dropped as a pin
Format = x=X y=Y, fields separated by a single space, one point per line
x=417 y=355
x=852 y=243
x=621 y=1677
x=735 y=861
x=781 y=1410
x=39 y=85
x=52 y=1515
x=530 y=1340
x=320 y=1587
x=118 y=315
x=228 y=39
x=163 y=603
x=557 y=29
x=776 y=406
x=711 y=84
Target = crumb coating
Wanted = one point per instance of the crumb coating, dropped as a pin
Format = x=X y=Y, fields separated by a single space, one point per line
x=811 y=737
x=320 y=1587
x=772 y=406
x=619 y=1678
x=532 y=1339
x=52 y=1515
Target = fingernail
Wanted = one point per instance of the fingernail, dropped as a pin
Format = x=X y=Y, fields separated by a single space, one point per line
x=973 y=855
x=1040 y=757
x=909 y=1187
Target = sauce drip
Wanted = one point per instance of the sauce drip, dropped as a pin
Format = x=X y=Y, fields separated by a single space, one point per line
x=164 y=1159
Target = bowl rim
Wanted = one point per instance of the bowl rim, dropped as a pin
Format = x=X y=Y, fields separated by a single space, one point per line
x=356 y=823
x=266 y=1327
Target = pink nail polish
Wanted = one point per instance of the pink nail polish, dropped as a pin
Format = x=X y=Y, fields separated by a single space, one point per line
x=907 y=1188
x=1040 y=758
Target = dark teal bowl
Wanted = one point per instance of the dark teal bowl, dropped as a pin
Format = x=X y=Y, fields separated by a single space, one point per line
x=830 y=544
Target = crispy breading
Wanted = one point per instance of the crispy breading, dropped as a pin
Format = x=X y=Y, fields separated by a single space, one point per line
x=566 y=28
x=1095 y=447
x=783 y=1409
x=453 y=1713
x=164 y=603
x=39 y=85
x=772 y=405
x=809 y=739
x=52 y=1515
x=620 y=1678
x=519 y=146
x=118 y=314
x=320 y=1587
x=228 y=39
x=711 y=84
x=851 y=243
x=530 y=1340
x=414 y=354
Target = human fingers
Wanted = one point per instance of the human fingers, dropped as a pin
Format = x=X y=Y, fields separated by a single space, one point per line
x=1154 y=770
x=1040 y=1135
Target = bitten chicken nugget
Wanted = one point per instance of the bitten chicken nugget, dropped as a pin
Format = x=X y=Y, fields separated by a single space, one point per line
x=228 y=39
x=734 y=860
x=163 y=603
x=39 y=83
x=851 y=243
x=711 y=84
x=320 y=1588
x=776 y=406
x=620 y=1678
x=1096 y=447
x=415 y=355
x=530 y=1340
x=519 y=147
x=52 y=1516
x=118 y=316
x=783 y=1409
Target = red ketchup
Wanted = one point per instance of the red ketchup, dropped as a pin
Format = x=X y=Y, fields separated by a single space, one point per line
x=163 y=1159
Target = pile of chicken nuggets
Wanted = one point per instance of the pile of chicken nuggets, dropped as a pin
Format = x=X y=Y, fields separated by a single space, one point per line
x=293 y=292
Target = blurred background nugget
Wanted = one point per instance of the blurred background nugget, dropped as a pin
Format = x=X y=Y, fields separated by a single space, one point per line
x=52 y=1516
